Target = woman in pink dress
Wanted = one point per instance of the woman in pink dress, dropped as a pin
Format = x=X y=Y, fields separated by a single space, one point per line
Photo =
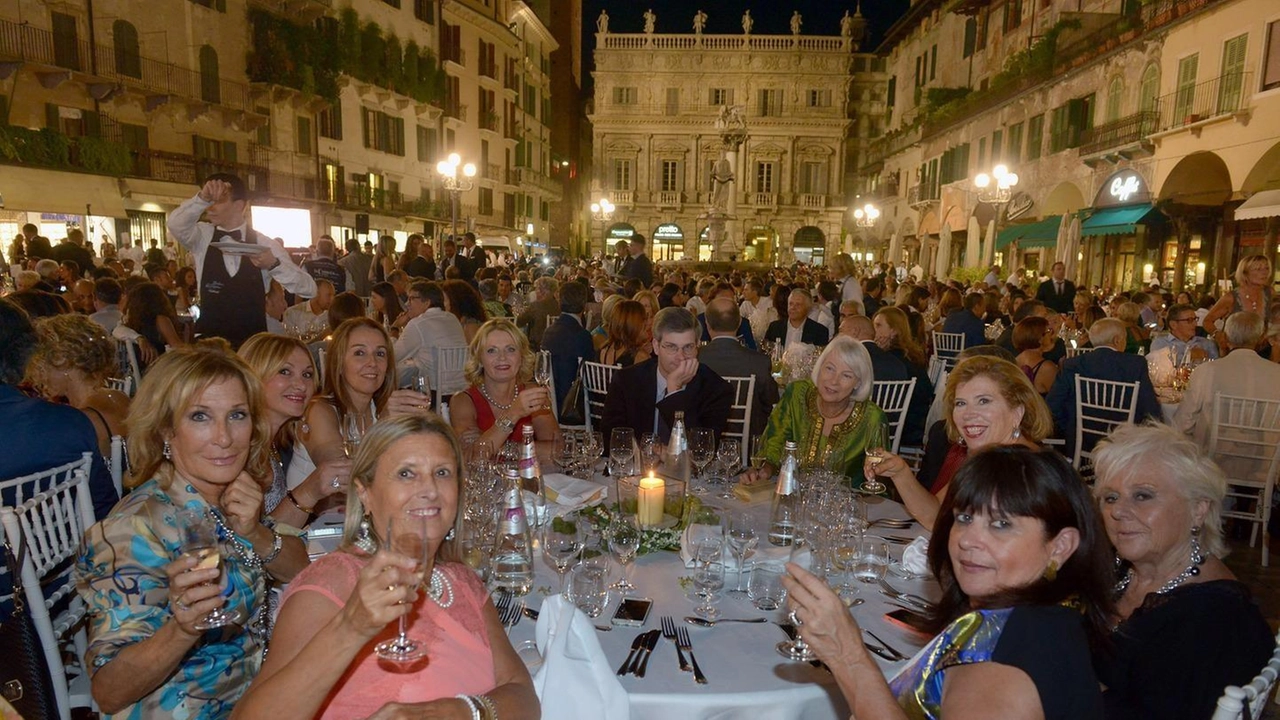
x=322 y=661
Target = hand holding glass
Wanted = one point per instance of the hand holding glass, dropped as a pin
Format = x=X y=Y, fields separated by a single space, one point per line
x=408 y=537
x=199 y=540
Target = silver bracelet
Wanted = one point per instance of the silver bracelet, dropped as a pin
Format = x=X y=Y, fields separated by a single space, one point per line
x=276 y=543
x=472 y=704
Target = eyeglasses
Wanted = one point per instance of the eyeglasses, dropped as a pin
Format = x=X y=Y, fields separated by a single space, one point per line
x=416 y=298
x=1192 y=318
x=689 y=349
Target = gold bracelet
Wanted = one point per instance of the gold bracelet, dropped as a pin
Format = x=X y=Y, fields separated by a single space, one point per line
x=489 y=706
x=294 y=500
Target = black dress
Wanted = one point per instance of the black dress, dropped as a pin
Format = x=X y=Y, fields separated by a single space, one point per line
x=1174 y=655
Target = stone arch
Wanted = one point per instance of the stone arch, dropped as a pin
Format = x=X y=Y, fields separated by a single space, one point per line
x=1201 y=178
x=1064 y=198
x=1265 y=174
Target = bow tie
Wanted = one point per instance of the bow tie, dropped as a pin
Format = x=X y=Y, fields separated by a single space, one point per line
x=233 y=235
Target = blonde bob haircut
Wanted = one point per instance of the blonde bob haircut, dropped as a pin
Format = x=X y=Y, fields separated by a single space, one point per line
x=266 y=353
x=1014 y=387
x=852 y=353
x=374 y=445
x=170 y=386
x=474 y=370
x=1156 y=449
x=1248 y=263
x=335 y=386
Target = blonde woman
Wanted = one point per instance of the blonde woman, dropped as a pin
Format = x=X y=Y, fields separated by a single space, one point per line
x=501 y=401
x=1254 y=278
x=73 y=359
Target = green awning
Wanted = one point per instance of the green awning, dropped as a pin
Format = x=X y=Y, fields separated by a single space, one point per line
x=1115 y=221
x=1040 y=234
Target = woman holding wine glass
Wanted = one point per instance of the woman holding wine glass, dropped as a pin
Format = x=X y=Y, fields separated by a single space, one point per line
x=324 y=660
x=501 y=401
x=201 y=440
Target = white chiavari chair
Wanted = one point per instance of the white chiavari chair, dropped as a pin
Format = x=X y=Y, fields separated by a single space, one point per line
x=1101 y=405
x=1249 y=702
x=1244 y=440
x=595 y=382
x=447 y=377
x=893 y=397
x=739 y=425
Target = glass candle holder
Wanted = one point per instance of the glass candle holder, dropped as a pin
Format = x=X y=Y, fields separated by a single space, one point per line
x=654 y=500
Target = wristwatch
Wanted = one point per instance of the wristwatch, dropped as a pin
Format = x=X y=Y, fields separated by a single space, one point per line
x=506 y=423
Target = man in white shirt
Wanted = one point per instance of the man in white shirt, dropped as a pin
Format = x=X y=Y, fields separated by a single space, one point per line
x=1242 y=373
x=313 y=313
x=993 y=277
x=698 y=303
x=820 y=313
x=106 y=303
x=429 y=326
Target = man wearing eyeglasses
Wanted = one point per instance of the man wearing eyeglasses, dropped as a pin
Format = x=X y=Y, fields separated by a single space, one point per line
x=647 y=395
x=1182 y=339
x=429 y=326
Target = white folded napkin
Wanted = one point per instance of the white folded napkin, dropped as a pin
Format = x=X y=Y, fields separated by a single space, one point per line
x=575 y=680
x=763 y=552
x=915 y=557
x=572 y=492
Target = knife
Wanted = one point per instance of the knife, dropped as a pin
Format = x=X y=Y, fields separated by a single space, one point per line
x=636 y=645
x=650 y=644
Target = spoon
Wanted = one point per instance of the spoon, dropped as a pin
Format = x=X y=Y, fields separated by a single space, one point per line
x=712 y=623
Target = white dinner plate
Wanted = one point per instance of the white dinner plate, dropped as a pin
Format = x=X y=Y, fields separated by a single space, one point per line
x=232 y=247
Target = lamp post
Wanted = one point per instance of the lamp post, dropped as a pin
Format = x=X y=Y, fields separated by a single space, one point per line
x=456 y=183
x=995 y=188
x=865 y=217
x=602 y=210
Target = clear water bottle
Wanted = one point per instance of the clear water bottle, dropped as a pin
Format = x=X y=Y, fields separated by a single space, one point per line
x=530 y=469
x=512 y=561
x=676 y=462
x=786 y=499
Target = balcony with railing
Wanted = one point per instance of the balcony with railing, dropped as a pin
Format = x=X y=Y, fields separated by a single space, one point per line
x=455 y=111
x=1126 y=136
x=623 y=198
x=454 y=54
x=763 y=199
x=923 y=194
x=669 y=200
x=489 y=120
x=1189 y=106
x=811 y=201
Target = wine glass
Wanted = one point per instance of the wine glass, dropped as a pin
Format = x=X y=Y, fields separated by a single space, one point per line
x=702 y=448
x=759 y=452
x=407 y=534
x=562 y=545
x=742 y=540
x=729 y=456
x=589 y=449
x=877 y=439
x=352 y=433
x=542 y=369
x=564 y=450
x=708 y=578
x=798 y=649
x=199 y=540
x=650 y=452
x=624 y=542
x=872 y=560
x=622 y=450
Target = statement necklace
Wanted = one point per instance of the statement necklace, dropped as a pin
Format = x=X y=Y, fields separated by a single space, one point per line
x=438 y=587
x=485 y=392
x=1192 y=570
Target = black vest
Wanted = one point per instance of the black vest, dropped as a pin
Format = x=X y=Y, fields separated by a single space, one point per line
x=231 y=307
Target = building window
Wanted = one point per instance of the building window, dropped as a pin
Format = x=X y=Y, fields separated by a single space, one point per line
x=125 y=37
x=997 y=151
x=970 y=36
x=770 y=103
x=486 y=201
x=262 y=135
x=1012 y=15
x=1271 y=61
x=671 y=176
x=66 y=41
x=303 y=143
x=392 y=3
x=330 y=120
x=622 y=175
x=813 y=178
x=933 y=63
x=210 y=88
x=765 y=172
x=382 y=131
x=427 y=145
x=1115 y=98
x=673 y=102
x=425 y=10
x=1149 y=90
x=982 y=152
x=891 y=92
x=1231 y=85
x=819 y=98
x=1013 y=151
x=1186 y=95
x=1035 y=137
x=721 y=96
x=624 y=96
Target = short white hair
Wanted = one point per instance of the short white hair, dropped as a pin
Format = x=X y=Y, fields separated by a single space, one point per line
x=852 y=353
x=1243 y=329
x=1108 y=332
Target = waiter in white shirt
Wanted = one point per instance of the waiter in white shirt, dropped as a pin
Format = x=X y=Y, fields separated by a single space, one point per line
x=232 y=293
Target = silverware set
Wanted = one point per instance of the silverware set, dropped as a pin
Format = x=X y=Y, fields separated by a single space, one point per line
x=892 y=523
x=641 y=648
x=884 y=649
x=904 y=597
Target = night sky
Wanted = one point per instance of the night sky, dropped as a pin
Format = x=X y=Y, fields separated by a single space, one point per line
x=821 y=17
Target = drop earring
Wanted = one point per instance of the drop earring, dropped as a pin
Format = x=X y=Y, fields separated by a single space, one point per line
x=449 y=535
x=364 y=538
x=168 y=451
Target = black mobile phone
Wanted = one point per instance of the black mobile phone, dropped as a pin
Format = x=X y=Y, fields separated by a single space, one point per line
x=632 y=612
x=910 y=621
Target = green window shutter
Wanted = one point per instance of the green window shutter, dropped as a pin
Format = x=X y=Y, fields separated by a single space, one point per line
x=1231 y=85
x=1184 y=101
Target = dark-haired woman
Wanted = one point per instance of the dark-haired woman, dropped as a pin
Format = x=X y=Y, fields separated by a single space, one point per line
x=1024 y=567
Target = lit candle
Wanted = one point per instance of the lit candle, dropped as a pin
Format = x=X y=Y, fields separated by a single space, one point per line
x=650 y=499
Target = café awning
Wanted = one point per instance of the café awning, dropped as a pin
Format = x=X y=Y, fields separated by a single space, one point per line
x=1030 y=236
x=1263 y=204
x=1115 y=220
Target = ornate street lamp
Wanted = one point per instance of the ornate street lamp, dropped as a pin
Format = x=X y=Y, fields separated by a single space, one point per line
x=602 y=210
x=997 y=187
x=455 y=183
x=866 y=216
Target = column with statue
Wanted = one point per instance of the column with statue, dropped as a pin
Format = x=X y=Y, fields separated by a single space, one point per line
x=721 y=217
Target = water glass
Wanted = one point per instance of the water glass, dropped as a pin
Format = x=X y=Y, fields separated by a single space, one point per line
x=562 y=546
x=742 y=540
x=729 y=457
x=764 y=587
x=586 y=588
x=650 y=452
x=624 y=543
x=708 y=578
x=872 y=560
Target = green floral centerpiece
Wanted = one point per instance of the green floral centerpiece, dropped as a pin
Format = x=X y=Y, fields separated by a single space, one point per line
x=652 y=539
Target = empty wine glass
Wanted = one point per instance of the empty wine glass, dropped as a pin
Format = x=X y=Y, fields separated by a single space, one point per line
x=407 y=535
x=742 y=540
x=702 y=449
x=199 y=540
x=589 y=448
x=708 y=578
x=872 y=560
x=622 y=451
x=564 y=451
x=729 y=456
x=876 y=442
x=797 y=649
x=650 y=452
x=624 y=542
x=562 y=545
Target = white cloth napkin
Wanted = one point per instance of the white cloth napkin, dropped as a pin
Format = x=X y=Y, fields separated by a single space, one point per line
x=572 y=492
x=915 y=557
x=575 y=680
x=763 y=552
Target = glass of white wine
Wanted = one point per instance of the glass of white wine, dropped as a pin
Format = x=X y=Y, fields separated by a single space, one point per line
x=542 y=370
x=352 y=433
x=876 y=442
x=199 y=539
x=407 y=536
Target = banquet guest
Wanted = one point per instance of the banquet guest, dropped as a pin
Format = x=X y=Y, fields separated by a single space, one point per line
x=232 y=291
x=647 y=395
x=829 y=415
x=1023 y=565
x=892 y=328
x=501 y=401
x=73 y=361
x=41 y=435
x=885 y=366
x=465 y=303
x=990 y=403
x=641 y=267
x=386 y=303
x=345 y=306
x=1184 y=628
x=106 y=303
x=1032 y=338
x=743 y=332
x=359 y=384
x=322 y=662
x=429 y=327
x=627 y=335
x=275 y=305
x=567 y=340
x=544 y=305
x=1253 y=293
x=600 y=333
x=1182 y=340
x=149 y=314
x=493 y=307
x=728 y=357
x=283 y=364
x=1130 y=313
x=313 y=313
x=1057 y=293
x=797 y=327
x=200 y=438
x=357 y=265
x=1242 y=373
x=967 y=321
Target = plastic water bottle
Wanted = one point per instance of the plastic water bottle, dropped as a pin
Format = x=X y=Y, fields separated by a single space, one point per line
x=786 y=499
x=513 y=548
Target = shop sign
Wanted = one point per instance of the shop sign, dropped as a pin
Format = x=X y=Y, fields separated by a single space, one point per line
x=60 y=217
x=1019 y=205
x=621 y=231
x=668 y=231
x=1125 y=187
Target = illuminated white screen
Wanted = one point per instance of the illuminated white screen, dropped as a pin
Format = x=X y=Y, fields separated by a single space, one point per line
x=293 y=225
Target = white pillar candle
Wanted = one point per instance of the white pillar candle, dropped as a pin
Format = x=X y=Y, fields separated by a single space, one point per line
x=651 y=497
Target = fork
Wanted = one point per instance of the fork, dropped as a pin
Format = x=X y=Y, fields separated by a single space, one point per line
x=669 y=632
x=892 y=523
x=908 y=598
x=683 y=643
x=512 y=614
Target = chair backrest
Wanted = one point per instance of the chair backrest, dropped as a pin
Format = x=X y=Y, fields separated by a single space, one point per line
x=938 y=370
x=739 y=426
x=127 y=353
x=15 y=491
x=117 y=463
x=1074 y=351
x=1244 y=439
x=1249 y=702
x=1101 y=405
x=595 y=381
x=947 y=345
x=322 y=353
x=50 y=526
x=893 y=397
x=122 y=384
x=447 y=377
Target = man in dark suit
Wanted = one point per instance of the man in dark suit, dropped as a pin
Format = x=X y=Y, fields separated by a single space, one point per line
x=797 y=327
x=73 y=249
x=647 y=395
x=1107 y=362
x=622 y=257
x=968 y=320
x=728 y=358
x=476 y=256
x=453 y=258
x=533 y=319
x=1057 y=292
x=567 y=340
x=640 y=267
x=743 y=333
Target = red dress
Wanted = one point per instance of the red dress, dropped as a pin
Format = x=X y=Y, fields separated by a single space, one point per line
x=485 y=417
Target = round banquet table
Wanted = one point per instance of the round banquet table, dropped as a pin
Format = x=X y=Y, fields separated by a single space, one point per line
x=747 y=678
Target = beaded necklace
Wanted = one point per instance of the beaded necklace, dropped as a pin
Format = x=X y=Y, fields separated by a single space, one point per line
x=485 y=392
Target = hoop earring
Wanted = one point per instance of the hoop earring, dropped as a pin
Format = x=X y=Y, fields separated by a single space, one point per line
x=168 y=451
